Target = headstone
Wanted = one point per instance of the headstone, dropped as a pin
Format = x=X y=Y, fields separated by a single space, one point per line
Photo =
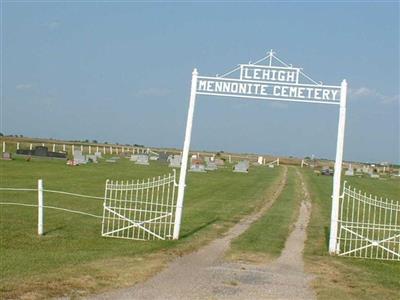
x=241 y=167
x=175 y=161
x=211 y=166
x=7 y=156
x=40 y=151
x=271 y=166
x=142 y=159
x=79 y=158
x=134 y=157
x=349 y=171
x=197 y=166
x=163 y=157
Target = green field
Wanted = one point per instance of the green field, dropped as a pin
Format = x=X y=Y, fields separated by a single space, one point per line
x=73 y=258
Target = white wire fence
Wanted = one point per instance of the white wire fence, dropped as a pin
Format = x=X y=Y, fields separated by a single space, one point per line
x=140 y=210
x=369 y=227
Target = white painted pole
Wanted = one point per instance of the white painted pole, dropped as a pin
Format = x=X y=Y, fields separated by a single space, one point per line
x=278 y=161
x=97 y=148
x=116 y=150
x=90 y=149
x=72 y=149
x=17 y=146
x=104 y=150
x=40 y=207
x=110 y=150
x=42 y=144
x=4 y=146
x=30 y=147
x=338 y=170
x=54 y=147
x=64 y=147
x=185 y=155
x=82 y=148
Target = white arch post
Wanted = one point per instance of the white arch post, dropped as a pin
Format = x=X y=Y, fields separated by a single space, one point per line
x=338 y=170
x=185 y=156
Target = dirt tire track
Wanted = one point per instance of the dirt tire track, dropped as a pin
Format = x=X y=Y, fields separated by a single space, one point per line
x=204 y=275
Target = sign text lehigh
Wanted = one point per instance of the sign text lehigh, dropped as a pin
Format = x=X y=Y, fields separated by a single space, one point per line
x=268 y=82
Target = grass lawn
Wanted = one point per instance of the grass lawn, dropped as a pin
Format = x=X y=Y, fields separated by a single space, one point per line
x=341 y=277
x=265 y=239
x=72 y=258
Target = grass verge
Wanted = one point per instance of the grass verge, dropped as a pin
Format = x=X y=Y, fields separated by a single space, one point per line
x=341 y=277
x=265 y=238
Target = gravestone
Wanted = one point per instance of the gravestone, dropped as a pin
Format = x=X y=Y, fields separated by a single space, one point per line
x=142 y=159
x=210 y=164
x=134 y=157
x=197 y=167
x=79 y=158
x=241 y=167
x=271 y=166
x=41 y=151
x=175 y=161
x=7 y=156
x=163 y=157
x=349 y=171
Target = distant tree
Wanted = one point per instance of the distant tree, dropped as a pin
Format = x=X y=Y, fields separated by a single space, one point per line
x=1 y=134
x=94 y=141
x=86 y=141
x=21 y=136
x=106 y=143
x=116 y=144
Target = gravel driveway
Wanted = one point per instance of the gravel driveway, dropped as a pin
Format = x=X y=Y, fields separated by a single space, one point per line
x=205 y=275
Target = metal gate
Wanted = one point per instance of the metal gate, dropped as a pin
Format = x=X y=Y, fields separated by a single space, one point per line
x=140 y=210
x=368 y=227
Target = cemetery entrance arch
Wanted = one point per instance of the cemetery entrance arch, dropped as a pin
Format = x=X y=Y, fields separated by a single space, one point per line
x=266 y=81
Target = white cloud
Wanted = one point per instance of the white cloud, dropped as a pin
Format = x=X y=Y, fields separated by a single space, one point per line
x=24 y=86
x=364 y=92
x=153 y=92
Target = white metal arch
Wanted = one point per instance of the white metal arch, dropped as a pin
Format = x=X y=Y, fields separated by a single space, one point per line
x=268 y=82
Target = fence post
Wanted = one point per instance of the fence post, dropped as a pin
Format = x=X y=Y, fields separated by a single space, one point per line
x=54 y=147
x=4 y=146
x=40 y=207
x=18 y=146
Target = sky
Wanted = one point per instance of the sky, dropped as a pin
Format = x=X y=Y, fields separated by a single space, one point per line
x=120 y=71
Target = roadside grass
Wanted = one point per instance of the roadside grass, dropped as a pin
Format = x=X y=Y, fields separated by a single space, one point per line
x=72 y=258
x=265 y=238
x=342 y=277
